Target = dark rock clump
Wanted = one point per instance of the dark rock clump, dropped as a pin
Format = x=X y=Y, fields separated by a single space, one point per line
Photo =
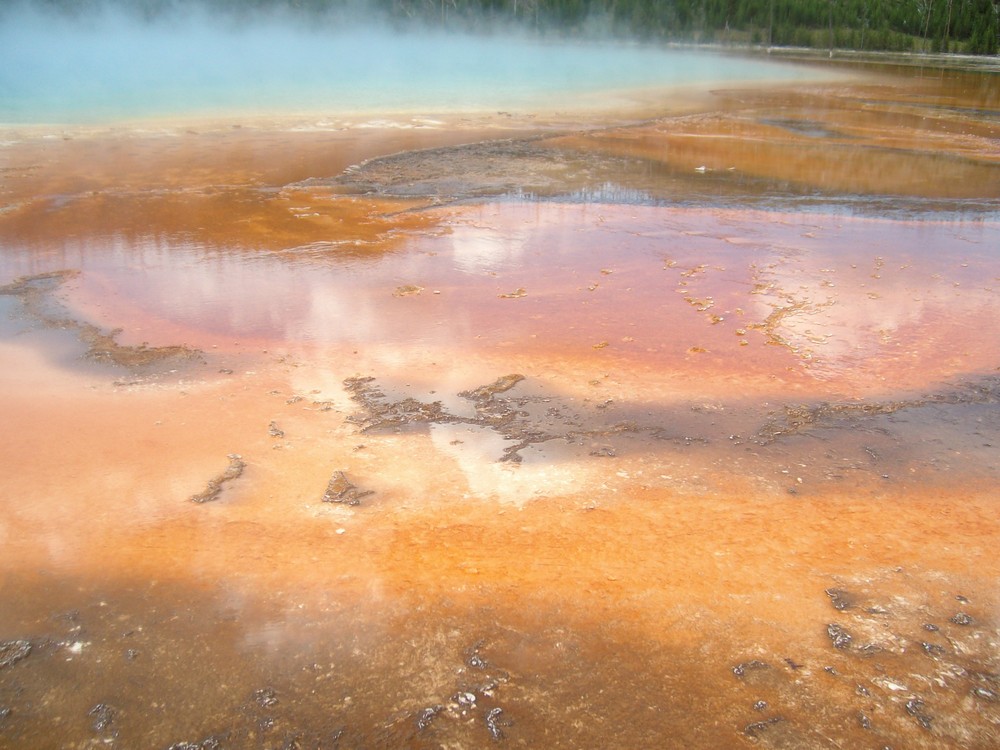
x=11 y=652
x=759 y=727
x=915 y=708
x=341 y=490
x=839 y=637
x=214 y=487
x=209 y=743
x=986 y=694
x=265 y=697
x=840 y=599
x=426 y=715
x=103 y=716
x=495 y=721
x=754 y=664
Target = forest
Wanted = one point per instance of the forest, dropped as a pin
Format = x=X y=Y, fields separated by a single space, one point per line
x=938 y=26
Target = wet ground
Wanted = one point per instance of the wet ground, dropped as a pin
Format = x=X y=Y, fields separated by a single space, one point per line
x=498 y=431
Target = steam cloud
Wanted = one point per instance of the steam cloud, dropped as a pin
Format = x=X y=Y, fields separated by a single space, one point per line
x=109 y=61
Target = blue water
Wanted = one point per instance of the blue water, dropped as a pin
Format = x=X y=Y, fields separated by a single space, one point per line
x=57 y=71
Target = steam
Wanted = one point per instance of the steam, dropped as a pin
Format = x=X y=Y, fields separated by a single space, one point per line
x=113 y=63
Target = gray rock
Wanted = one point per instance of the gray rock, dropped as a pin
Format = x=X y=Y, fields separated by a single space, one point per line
x=11 y=652
x=838 y=636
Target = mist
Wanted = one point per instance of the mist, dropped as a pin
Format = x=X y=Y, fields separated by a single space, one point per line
x=109 y=62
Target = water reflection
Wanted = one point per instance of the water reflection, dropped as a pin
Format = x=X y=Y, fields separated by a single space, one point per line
x=483 y=250
x=845 y=298
x=611 y=192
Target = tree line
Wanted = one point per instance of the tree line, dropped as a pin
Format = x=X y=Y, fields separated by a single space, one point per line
x=957 y=26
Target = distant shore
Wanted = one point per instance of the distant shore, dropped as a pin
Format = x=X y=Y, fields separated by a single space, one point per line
x=953 y=60
x=935 y=59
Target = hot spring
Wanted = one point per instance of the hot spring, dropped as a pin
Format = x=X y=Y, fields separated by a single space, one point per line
x=365 y=389
x=111 y=68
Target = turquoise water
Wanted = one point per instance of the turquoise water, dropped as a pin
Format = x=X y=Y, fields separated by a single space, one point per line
x=55 y=71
